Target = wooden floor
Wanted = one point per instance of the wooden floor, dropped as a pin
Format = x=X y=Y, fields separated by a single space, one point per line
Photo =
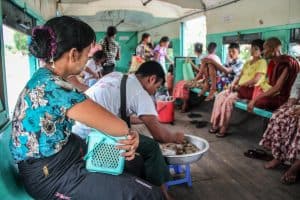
x=224 y=172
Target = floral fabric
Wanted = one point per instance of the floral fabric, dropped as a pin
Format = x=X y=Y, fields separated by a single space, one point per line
x=40 y=126
x=282 y=136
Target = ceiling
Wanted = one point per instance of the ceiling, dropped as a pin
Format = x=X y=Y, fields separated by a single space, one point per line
x=102 y=13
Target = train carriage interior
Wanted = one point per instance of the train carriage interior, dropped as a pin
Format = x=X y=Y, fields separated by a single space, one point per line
x=232 y=88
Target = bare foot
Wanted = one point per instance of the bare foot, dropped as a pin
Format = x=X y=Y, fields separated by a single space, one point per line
x=290 y=176
x=184 y=107
x=202 y=92
x=272 y=164
x=211 y=95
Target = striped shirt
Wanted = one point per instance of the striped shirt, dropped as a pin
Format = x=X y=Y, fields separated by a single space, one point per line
x=111 y=49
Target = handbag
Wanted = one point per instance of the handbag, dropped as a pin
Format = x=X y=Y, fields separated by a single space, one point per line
x=102 y=154
x=187 y=71
x=136 y=62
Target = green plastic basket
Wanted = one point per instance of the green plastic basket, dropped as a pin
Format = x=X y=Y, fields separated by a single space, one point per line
x=102 y=154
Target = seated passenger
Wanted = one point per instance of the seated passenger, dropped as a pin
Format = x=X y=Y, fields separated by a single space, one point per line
x=181 y=90
x=209 y=73
x=242 y=87
x=228 y=72
x=48 y=155
x=170 y=79
x=145 y=82
x=282 y=136
x=282 y=72
x=198 y=49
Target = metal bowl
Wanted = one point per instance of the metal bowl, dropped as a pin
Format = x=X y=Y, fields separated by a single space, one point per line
x=200 y=143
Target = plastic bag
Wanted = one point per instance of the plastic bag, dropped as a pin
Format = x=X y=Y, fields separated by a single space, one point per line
x=187 y=71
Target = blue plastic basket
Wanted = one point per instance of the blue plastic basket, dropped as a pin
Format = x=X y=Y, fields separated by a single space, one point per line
x=102 y=154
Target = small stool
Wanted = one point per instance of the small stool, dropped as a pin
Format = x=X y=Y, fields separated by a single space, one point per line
x=187 y=176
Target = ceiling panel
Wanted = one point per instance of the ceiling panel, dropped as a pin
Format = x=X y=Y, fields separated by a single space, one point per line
x=102 y=13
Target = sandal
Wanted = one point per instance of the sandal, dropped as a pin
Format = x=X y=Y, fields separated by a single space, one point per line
x=194 y=121
x=258 y=154
x=220 y=135
x=201 y=124
x=289 y=180
x=210 y=97
x=194 y=115
x=213 y=130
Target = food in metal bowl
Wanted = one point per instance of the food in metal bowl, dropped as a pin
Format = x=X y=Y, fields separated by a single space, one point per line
x=186 y=157
x=178 y=149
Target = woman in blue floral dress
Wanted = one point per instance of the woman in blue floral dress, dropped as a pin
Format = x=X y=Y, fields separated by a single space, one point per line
x=48 y=155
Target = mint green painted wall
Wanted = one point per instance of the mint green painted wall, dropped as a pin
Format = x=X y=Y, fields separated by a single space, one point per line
x=282 y=32
x=176 y=46
x=127 y=47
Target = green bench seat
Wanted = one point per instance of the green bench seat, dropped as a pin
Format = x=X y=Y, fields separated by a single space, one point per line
x=242 y=105
x=11 y=187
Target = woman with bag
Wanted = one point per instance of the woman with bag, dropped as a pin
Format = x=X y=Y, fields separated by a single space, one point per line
x=48 y=154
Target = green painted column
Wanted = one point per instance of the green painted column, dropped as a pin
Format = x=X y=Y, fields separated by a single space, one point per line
x=3 y=90
x=181 y=37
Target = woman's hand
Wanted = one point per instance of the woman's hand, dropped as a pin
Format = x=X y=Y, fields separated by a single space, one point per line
x=129 y=145
x=251 y=105
x=296 y=111
x=292 y=102
x=189 y=60
x=233 y=88
x=95 y=75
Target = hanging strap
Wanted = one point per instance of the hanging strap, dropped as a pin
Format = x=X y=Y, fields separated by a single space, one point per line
x=123 y=100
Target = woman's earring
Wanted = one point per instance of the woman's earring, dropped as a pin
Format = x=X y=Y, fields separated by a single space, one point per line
x=52 y=61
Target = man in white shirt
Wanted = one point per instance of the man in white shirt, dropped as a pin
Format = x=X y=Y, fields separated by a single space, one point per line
x=149 y=77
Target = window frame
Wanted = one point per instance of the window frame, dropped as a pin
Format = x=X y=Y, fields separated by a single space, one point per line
x=295 y=35
x=241 y=38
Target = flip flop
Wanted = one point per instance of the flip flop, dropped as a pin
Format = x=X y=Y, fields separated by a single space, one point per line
x=258 y=154
x=194 y=115
x=194 y=121
x=220 y=135
x=209 y=99
x=213 y=131
x=201 y=124
x=289 y=180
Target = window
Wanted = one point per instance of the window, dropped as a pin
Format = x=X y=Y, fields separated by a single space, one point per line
x=17 y=65
x=295 y=35
x=294 y=46
x=194 y=31
x=245 y=44
x=16 y=27
x=245 y=52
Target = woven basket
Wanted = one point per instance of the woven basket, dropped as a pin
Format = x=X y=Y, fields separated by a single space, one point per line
x=102 y=154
